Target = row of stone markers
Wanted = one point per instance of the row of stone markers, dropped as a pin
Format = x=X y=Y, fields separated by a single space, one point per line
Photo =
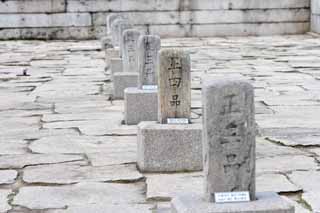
x=156 y=87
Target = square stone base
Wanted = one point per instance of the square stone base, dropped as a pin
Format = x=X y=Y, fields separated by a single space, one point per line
x=169 y=147
x=115 y=65
x=140 y=105
x=267 y=202
x=123 y=80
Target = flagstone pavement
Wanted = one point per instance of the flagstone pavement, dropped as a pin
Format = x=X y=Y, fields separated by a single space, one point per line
x=64 y=148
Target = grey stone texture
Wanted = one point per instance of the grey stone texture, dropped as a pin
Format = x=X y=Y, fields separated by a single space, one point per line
x=174 y=84
x=148 y=48
x=129 y=49
x=125 y=25
x=51 y=19
x=63 y=114
x=107 y=47
x=117 y=28
x=140 y=105
x=123 y=80
x=106 y=43
x=267 y=202
x=169 y=148
x=116 y=65
x=228 y=137
x=8 y=176
x=110 y=19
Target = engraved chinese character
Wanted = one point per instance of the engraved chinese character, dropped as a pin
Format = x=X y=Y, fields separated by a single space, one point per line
x=175 y=101
x=175 y=82
x=230 y=106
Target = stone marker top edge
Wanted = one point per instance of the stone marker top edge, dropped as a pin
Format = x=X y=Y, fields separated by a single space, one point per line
x=224 y=82
x=131 y=30
x=149 y=36
x=174 y=52
x=120 y=22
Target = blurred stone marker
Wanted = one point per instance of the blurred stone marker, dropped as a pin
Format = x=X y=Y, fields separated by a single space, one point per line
x=130 y=40
x=148 y=49
x=141 y=104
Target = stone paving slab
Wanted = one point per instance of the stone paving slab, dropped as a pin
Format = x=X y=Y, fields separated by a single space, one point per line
x=8 y=176
x=83 y=194
x=100 y=208
x=69 y=174
x=4 y=206
x=60 y=127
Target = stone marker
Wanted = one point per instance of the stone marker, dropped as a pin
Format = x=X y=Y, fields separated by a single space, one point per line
x=228 y=137
x=229 y=155
x=125 y=25
x=141 y=104
x=110 y=19
x=148 y=48
x=129 y=51
x=171 y=147
x=174 y=85
x=117 y=27
x=106 y=43
x=107 y=46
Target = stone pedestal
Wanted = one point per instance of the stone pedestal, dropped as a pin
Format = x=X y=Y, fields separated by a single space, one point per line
x=123 y=80
x=116 y=65
x=140 y=105
x=169 y=147
x=266 y=202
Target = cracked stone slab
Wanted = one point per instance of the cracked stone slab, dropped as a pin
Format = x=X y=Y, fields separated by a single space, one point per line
x=313 y=199
x=81 y=194
x=308 y=180
x=113 y=157
x=297 y=207
x=290 y=117
x=286 y=163
x=68 y=174
x=265 y=148
x=4 y=205
x=79 y=117
x=8 y=176
x=99 y=208
x=275 y=183
x=20 y=161
x=110 y=126
x=9 y=147
x=303 y=140
x=27 y=134
x=162 y=187
x=83 y=144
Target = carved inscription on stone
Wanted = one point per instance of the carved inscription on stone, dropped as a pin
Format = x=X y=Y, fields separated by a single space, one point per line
x=229 y=137
x=148 y=47
x=130 y=54
x=174 y=85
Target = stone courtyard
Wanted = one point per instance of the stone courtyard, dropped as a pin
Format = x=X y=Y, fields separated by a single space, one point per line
x=65 y=148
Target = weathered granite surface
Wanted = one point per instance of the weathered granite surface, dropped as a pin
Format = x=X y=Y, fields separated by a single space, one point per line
x=61 y=115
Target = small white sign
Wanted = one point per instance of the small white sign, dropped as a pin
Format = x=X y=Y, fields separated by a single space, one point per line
x=231 y=197
x=178 y=121
x=149 y=87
